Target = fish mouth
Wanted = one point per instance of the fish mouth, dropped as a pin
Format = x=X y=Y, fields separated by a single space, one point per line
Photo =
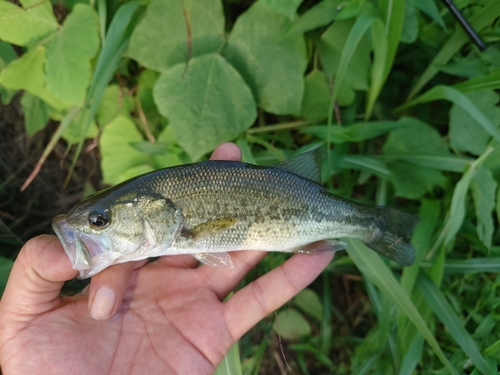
x=83 y=249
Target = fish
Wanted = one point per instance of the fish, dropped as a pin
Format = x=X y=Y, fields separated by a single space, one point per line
x=210 y=208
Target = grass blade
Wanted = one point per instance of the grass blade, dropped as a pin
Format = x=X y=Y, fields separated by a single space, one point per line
x=377 y=272
x=454 y=326
x=491 y=81
x=231 y=363
x=480 y=20
x=473 y=265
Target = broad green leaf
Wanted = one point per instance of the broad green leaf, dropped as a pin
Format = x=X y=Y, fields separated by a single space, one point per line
x=373 y=268
x=231 y=363
x=77 y=132
x=145 y=86
x=483 y=187
x=316 y=99
x=284 y=7
x=480 y=20
x=136 y=171
x=20 y=26
x=309 y=302
x=36 y=113
x=7 y=54
x=466 y=135
x=173 y=31
x=412 y=181
x=174 y=155
x=27 y=73
x=290 y=324
x=271 y=63
x=207 y=105
x=415 y=137
x=320 y=15
x=115 y=102
x=357 y=64
x=460 y=100
x=117 y=154
x=69 y=53
x=453 y=324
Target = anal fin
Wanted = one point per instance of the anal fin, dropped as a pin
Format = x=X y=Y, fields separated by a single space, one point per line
x=221 y=260
x=320 y=247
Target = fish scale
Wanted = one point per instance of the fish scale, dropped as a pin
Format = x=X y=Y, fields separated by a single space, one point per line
x=210 y=208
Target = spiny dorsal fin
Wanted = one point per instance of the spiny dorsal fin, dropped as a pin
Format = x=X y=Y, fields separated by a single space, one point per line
x=307 y=165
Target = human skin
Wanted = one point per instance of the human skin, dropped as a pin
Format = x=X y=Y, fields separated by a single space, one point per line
x=163 y=317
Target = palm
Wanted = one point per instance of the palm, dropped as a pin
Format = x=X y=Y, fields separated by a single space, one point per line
x=161 y=302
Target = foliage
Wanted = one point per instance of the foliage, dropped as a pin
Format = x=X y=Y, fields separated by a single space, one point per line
x=163 y=82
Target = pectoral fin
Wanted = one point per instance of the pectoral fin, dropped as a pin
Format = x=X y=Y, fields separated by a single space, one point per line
x=209 y=228
x=221 y=260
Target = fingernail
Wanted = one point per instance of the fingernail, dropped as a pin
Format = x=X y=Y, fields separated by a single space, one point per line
x=103 y=303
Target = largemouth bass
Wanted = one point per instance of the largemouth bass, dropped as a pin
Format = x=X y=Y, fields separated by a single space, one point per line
x=212 y=207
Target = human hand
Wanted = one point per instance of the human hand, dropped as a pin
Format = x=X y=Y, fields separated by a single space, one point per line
x=164 y=317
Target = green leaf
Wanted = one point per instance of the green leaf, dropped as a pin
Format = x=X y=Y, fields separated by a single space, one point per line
x=460 y=100
x=117 y=154
x=173 y=31
x=5 y=267
x=271 y=63
x=466 y=134
x=231 y=363
x=316 y=99
x=174 y=156
x=320 y=15
x=415 y=137
x=150 y=148
x=452 y=163
x=76 y=130
x=35 y=22
x=378 y=273
x=483 y=187
x=472 y=265
x=480 y=20
x=290 y=324
x=354 y=73
x=458 y=200
x=69 y=53
x=28 y=73
x=489 y=81
x=429 y=7
x=365 y=163
x=115 y=102
x=211 y=101
x=412 y=181
x=409 y=32
x=453 y=324
x=284 y=7
x=36 y=113
x=309 y=302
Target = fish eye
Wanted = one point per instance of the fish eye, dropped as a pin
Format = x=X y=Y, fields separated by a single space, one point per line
x=98 y=219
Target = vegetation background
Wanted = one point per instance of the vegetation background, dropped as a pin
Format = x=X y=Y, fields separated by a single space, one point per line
x=96 y=92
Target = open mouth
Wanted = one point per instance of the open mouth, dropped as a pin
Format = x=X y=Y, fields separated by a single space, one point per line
x=83 y=249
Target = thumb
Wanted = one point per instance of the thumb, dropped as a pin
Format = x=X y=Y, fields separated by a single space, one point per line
x=37 y=277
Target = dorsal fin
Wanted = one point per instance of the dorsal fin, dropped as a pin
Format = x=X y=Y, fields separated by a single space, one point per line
x=307 y=165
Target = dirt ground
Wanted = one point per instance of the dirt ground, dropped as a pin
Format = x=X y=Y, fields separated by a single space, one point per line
x=26 y=214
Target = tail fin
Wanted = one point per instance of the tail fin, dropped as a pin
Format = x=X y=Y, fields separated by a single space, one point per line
x=392 y=237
